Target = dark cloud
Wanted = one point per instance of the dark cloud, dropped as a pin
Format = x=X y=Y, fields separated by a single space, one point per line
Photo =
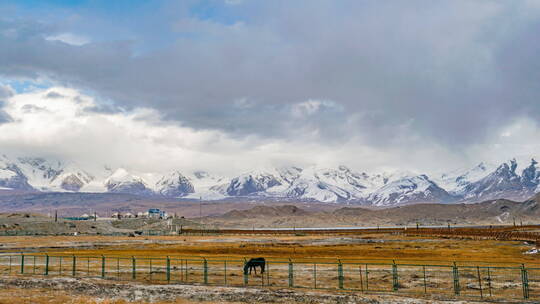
x=4 y=117
x=53 y=95
x=5 y=91
x=451 y=72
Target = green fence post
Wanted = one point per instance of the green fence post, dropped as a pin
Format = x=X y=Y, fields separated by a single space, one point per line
x=118 y=268
x=205 y=271
x=34 y=266
x=367 y=278
x=60 y=270
x=489 y=281
x=186 y=270
x=150 y=269
x=168 y=269
x=361 y=281
x=102 y=266
x=73 y=269
x=22 y=263
x=291 y=274
x=133 y=268
x=479 y=282
x=47 y=264
x=225 y=272
x=425 y=282
x=245 y=272
x=455 y=272
x=315 y=276
x=395 y=283
x=340 y=275
x=525 y=281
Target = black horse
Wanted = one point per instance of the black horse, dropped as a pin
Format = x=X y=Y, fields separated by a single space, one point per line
x=253 y=264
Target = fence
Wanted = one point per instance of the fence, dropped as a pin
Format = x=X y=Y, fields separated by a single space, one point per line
x=453 y=280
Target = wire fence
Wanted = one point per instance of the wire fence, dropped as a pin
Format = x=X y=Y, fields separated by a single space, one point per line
x=486 y=281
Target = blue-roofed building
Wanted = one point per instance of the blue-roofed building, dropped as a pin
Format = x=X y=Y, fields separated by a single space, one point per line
x=156 y=213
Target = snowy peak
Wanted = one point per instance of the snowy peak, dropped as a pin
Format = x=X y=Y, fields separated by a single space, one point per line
x=409 y=189
x=512 y=180
x=174 y=185
x=253 y=182
x=121 y=181
x=505 y=182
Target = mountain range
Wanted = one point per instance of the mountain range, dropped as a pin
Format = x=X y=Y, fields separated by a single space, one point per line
x=510 y=180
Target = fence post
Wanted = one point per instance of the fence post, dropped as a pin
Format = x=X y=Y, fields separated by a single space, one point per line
x=425 y=283
x=22 y=263
x=367 y=278
x=340 y=275
x=525 y=281
x=10 y=264
x=102 y=266
x=489 y=281
x=455 y=272
x=133 y=268
x=73 y=270
x=205 y=271
x=315 y=276
x=47 y=264
x=168 y=269
x=479 y=282
x=245 y=272
x=291 y=274
x=395 y=283
x=225 y=272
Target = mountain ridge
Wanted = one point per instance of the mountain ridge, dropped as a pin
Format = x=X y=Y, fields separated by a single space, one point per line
x=328 y=185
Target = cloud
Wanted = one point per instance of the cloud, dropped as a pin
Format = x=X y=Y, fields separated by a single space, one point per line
x=6 y=91
x=69 y=38
x=387 y=77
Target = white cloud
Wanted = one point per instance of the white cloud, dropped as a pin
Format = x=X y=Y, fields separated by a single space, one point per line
x=310 y=107
x=69 y=38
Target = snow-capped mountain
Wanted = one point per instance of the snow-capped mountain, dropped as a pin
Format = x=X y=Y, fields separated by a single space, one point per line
x=121 y=181
x=174 y=185
x=506 y=181
x=332 y=185
x=253 y=182
x=341 y=184
x=409 y=189
x=456 y=182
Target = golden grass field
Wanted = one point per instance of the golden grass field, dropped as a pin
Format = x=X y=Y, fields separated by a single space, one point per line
x=365 y=248
x=383 y=246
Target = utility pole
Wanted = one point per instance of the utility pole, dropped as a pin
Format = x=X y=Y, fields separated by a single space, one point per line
x=55 y=216
x=95 y=216
x=200 y=213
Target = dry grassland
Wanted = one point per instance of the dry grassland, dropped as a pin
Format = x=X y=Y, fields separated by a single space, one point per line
x=390 y=247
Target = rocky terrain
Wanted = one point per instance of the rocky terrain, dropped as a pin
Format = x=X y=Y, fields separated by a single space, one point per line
x=510 y=180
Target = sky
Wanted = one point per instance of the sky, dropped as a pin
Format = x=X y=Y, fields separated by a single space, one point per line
x=233 y=85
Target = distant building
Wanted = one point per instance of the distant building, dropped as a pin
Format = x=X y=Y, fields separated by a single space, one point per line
x=156 y=213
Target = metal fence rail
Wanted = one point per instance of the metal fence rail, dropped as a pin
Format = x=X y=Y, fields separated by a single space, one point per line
x=486 y=281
